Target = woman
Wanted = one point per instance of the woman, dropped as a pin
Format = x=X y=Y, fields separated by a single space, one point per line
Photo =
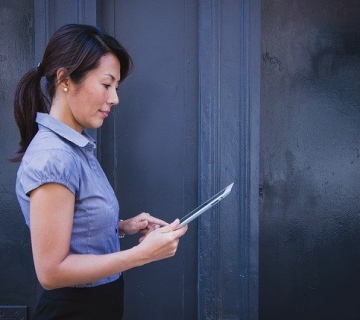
x=64 y=195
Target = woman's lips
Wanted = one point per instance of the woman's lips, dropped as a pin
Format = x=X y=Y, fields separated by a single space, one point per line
x=105 y=113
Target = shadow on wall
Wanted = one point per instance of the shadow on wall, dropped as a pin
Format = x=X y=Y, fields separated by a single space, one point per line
x=334 y=52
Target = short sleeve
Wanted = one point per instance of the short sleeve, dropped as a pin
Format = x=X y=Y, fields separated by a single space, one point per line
x=50 y=166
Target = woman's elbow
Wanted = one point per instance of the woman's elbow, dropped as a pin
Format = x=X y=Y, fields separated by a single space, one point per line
x=48 y=281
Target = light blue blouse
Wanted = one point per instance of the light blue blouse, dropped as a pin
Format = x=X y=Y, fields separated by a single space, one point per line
x=59 y=154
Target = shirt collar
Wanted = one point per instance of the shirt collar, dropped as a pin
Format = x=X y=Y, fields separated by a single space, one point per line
x=64 y=130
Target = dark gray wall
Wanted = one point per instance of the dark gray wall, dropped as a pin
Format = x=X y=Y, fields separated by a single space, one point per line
x=18 y=285
x=310 y=136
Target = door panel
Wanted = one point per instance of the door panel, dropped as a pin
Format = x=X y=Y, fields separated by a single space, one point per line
x=154 y=134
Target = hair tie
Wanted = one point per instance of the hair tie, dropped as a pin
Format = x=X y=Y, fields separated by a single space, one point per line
x=40 y=69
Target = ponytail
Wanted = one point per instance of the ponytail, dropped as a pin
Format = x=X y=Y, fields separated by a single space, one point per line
x=28 y=100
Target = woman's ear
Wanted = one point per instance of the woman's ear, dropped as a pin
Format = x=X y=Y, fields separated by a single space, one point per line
x=62 y=79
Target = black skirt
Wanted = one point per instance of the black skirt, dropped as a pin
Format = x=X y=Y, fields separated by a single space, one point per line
x=101 y=302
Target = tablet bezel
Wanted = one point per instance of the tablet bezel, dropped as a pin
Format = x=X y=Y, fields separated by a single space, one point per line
x=205 y=205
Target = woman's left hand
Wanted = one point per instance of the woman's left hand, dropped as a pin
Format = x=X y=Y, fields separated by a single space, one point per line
x=143 y=223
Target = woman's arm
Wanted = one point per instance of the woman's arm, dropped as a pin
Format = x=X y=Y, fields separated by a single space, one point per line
x=51 y=219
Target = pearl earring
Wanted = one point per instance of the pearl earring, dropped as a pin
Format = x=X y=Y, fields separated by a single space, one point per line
x=66 y=89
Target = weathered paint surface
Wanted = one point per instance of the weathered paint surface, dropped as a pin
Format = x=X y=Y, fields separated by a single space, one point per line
x=310 y=142
x=18 y=285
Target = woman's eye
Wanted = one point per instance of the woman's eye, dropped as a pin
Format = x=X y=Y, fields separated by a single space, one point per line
x=107 y=86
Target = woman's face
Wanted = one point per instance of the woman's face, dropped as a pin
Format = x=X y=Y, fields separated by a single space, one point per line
x=89 y=103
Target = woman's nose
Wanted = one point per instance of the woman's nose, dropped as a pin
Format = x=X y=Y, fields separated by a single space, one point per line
x=114 y=98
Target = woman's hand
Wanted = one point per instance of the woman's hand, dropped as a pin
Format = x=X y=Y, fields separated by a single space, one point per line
x=162 y=243
x=142 y=223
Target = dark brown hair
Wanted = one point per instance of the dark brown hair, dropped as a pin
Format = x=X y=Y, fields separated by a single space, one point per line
x=74 y=47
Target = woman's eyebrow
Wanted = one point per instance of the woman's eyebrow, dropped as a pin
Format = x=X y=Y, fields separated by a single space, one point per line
x=111 y=76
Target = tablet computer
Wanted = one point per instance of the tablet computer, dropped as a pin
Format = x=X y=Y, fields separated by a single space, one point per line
x=205 y=206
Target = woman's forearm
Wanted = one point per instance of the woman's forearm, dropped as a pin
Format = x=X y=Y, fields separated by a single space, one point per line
x=77 y=269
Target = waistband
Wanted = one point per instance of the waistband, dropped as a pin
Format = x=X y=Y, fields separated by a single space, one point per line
x=86 y=293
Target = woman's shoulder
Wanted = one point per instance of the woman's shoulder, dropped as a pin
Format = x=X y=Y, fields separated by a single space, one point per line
x=50 y=159
x=48 y=147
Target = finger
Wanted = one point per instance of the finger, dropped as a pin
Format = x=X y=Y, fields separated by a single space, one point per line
x=175 y=223
x=138 y=225
x=181 y=231
x=155 y=221
x=171 y=227
x=142 y=224
x=143 y=231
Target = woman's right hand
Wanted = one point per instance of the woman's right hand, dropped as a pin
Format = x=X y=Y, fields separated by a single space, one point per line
x=162 y=243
